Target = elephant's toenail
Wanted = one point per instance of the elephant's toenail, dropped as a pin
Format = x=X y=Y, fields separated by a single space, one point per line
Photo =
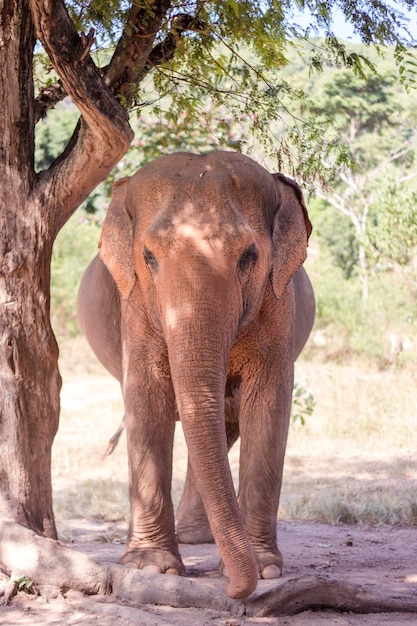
x=271 y=571
x=151 y=569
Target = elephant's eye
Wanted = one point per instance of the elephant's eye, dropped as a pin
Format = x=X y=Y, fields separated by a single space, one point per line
x=248 y=258
x=150 y=260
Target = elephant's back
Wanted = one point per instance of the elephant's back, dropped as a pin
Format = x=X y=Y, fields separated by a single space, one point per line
x=98 y=312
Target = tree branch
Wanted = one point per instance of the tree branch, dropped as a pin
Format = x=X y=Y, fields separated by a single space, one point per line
x=23 y=551
x=161 y=53
x=125 y=69
x=136 y=55
x=104 y=134
x=336 y=200
x=48 y=97
x=324 y=592
x=165 y=50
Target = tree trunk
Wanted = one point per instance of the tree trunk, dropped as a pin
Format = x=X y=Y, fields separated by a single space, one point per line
x=32 y=209
x=364 y=272
x=30 y=381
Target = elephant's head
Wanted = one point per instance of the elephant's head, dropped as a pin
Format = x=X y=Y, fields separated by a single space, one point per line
x=199 y=241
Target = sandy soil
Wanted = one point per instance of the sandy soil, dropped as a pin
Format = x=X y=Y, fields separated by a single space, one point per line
x=384 y=557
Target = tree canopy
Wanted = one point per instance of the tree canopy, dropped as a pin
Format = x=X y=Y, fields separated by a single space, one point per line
x=231 y=56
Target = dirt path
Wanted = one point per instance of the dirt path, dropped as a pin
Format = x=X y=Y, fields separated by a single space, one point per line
x=378 y=558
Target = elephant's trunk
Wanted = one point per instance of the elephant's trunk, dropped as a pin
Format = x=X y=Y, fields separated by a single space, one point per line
x=199 y=340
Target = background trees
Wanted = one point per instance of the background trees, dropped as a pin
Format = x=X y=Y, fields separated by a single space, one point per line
x=379 y=133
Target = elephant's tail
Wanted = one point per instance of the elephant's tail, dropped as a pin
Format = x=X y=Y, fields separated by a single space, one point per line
x=114 y=440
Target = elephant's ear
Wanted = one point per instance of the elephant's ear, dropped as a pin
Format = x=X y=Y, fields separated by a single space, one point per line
x=292 y=229
x=116 y=242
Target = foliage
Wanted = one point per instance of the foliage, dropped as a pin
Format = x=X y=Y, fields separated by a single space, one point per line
x=74 y=248
x=364 y=102
x=231 y=56
x=24 y=583
x=336 y=233
x=162 y=134
x=53 y=134
x=303 y=401
x=106 y=17
x=393 y=235
x=380 y=330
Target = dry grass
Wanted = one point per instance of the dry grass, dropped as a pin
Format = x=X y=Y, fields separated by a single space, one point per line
x=354 y=461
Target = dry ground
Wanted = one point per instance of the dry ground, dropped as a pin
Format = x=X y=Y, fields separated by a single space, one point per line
x=354 y=461
x=375 y=558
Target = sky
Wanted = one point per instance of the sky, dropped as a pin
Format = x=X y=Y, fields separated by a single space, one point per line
x=344 y=30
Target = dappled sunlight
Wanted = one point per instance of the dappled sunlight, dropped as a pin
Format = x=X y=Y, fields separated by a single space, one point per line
x=48 y=613
x=201 y=227
x=412 y=578
x=177 y=314
x=20 y=552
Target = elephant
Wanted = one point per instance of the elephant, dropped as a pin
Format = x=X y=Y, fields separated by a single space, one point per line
x=199 y=305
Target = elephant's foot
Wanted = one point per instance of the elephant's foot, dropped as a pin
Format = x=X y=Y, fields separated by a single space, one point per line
x=270 y=563
x=156 y=560
x=195 y=532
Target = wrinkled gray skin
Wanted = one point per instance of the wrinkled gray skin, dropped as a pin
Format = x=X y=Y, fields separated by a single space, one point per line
x=197 y=305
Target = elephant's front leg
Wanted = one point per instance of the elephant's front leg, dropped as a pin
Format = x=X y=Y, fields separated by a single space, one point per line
x=150 y=421
x=264 y=423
